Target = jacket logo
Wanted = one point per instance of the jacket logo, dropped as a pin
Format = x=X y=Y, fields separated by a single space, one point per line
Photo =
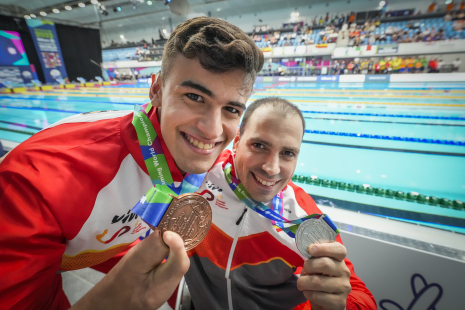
x=125 y=218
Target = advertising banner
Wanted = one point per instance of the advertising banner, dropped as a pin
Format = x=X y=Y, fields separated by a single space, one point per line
x=48 y=49
x=328 y=78
x=278 y=50
x=289 y=50
x=340 y=52
x=14 y=65
x=267 y=51
x=367 y=50
x=378 y=78
x=388 y=49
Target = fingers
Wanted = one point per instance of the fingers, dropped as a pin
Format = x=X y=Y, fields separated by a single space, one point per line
x=326 y=300
x=333 y=285
x=326 y=266
x=147 y=254
x=167 y=276
x=334 y=250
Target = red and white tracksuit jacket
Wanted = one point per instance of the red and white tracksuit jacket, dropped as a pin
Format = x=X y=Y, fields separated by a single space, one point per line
x=66 y=196
x=252 y=265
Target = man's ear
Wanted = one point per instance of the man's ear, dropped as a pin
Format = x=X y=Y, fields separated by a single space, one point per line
x=155 y=92
x=236 y=141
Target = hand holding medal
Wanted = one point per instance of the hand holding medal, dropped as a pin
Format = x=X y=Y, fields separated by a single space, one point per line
x=325 y=278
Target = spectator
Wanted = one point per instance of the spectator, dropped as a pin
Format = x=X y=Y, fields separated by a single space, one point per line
x=433 y=65
x=447 y=17
x=377 y=67
x=342 y=67
x=382 y=66
x=396 y=65
x=327 y=18
x=335 y=67
x=389 y=30
x=462 y=5
x=456 y=64
x=357 y=66
x=350 y=67
x=403 y=65
x=280 y=70
x=352 y=17
x=440 y=64
x=389 y=63
x=322 y=21
x=370 y=66
x=409 y=62
x=418 y=65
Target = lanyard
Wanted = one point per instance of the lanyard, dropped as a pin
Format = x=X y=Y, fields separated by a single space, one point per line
x=275 y=214
x=154 y=203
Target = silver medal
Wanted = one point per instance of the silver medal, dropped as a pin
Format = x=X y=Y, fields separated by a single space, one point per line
x=313 y=231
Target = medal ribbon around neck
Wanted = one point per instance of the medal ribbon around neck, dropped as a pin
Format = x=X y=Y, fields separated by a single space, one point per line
x=273 y=214
x=155 y=202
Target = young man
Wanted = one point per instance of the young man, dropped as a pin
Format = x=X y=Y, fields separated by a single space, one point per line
x=247 y=261
x=66 y=193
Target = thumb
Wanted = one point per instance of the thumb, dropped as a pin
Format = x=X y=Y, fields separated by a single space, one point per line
x=177 y=263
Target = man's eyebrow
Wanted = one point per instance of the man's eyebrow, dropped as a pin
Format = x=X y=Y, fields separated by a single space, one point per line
x=237 y=104
x=200 y=88
x=206 y=91
x=268 y=143
x=262 y=141
x=292 y=149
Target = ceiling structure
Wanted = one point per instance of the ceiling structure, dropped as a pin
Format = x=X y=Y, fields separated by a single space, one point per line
x=134 y=13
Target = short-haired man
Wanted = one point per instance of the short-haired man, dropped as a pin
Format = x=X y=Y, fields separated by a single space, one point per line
x=248 y=261
x=66 y=193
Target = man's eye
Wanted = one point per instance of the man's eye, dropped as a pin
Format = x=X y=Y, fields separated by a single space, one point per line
x=194 y=97
x=289 y=153
x=259 y=145
x=232 y=110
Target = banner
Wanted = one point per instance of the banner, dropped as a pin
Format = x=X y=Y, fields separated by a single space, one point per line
x=388 y=49
x=48 y=49
x=328 y=78
x=14 y=65
x=377 y=78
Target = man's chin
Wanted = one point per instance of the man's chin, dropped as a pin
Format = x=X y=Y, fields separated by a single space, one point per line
x=195 y=167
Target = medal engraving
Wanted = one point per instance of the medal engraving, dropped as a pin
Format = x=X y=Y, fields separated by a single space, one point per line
x=313 y=231
x=189 y=216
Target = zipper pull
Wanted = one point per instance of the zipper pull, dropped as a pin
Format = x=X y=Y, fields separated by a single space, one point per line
x=240 y=219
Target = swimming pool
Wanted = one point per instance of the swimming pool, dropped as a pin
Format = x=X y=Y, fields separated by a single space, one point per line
x=367 y=147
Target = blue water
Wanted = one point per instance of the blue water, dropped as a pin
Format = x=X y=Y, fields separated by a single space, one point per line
x=407 y=137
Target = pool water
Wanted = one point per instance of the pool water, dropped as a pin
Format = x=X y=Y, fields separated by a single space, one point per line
x=400 y=137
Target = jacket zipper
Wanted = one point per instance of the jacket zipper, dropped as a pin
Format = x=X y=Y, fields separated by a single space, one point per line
x=239 y=223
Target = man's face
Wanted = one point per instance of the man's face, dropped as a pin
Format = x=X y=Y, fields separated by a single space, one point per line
x=267 y=152
x=199 y=112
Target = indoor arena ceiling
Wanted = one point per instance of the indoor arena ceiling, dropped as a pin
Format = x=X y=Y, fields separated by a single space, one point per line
x=140 y=11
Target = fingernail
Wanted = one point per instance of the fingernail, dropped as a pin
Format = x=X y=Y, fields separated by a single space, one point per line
x=313 y=250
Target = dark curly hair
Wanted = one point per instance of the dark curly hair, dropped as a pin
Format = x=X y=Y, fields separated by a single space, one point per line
x=218 y=45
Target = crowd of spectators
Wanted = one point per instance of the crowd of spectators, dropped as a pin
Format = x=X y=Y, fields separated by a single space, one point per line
x=371 y=32
x=394 y=65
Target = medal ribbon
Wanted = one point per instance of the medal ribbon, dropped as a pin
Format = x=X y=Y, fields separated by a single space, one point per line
x=154 y=203
x=275 y=214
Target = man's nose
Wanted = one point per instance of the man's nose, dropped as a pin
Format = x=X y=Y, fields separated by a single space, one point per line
x=211 y=124
x=271 y=166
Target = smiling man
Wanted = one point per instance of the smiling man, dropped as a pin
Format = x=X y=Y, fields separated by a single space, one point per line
x=66 y=193
x=248 y=261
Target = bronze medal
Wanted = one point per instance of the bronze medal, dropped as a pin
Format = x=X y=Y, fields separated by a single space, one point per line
x=190 y=216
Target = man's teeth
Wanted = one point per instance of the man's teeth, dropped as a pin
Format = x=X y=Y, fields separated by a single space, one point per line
x=264 y=182
x=200 y=145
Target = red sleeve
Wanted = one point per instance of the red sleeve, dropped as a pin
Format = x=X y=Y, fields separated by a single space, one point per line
x=31 y=244
x=360 y=298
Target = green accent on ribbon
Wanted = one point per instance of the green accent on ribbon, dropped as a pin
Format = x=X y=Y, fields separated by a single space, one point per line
x=145 y=131
x=157 y=195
